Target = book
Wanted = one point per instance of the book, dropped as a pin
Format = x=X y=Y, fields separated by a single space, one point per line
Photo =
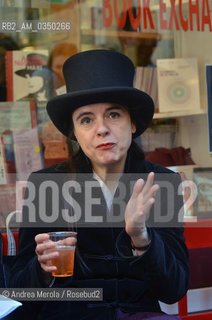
x=7 y=306
x=41 y=113
x=26 y=73
x=178 y=85
x=209 y=98
x=3 y=173
x=7 y=198
x=203 y=181
x=96 y=18
x=27 y=152
x=17 y=115
x=145 y=79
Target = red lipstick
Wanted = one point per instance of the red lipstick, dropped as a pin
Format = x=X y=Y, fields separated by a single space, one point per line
x=105 y=146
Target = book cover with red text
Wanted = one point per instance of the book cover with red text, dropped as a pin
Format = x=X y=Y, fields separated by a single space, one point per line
x=25 y=79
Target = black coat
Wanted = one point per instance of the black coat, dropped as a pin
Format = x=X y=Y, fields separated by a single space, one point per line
x=104 y=259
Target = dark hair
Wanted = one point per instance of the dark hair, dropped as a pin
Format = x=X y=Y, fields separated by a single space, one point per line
x=79 y=162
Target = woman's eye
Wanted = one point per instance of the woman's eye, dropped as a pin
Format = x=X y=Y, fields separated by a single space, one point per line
x=114 y=115
x=85 y=120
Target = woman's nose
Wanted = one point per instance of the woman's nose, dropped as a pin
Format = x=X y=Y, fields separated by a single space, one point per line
x=102 y=128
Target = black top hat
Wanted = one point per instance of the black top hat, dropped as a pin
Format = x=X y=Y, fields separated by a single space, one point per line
x=34 y=61
x=97 y=76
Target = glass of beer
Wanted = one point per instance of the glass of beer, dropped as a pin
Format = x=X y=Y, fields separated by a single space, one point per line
x=65 y=261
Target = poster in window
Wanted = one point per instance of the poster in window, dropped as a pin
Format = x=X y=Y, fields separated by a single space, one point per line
x=178 y=85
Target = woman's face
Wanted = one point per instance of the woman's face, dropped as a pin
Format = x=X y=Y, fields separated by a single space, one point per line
x=104 y=132
x=35 y=83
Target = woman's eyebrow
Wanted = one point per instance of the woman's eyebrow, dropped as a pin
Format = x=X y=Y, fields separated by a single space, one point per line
x=115 y=107
x=86 y=113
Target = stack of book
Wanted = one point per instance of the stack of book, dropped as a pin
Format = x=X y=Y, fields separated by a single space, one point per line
x=146 y=80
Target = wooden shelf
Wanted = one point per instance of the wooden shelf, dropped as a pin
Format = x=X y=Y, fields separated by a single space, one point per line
x=175 y=114
x=125 y=34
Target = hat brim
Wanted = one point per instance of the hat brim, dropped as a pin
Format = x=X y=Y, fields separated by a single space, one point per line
x=139 y=104
x=24 y=72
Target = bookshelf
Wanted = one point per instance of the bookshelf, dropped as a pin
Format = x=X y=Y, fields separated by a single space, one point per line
x=176 y=114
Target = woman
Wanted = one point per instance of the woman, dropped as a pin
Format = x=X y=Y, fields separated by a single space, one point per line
x=135 y=262
x=59 y=54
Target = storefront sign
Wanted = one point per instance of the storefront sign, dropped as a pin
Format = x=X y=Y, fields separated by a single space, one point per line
x=171 y=14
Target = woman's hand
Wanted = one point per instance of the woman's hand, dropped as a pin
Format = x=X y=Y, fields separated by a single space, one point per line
x=137 y=210
x=43 y=252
